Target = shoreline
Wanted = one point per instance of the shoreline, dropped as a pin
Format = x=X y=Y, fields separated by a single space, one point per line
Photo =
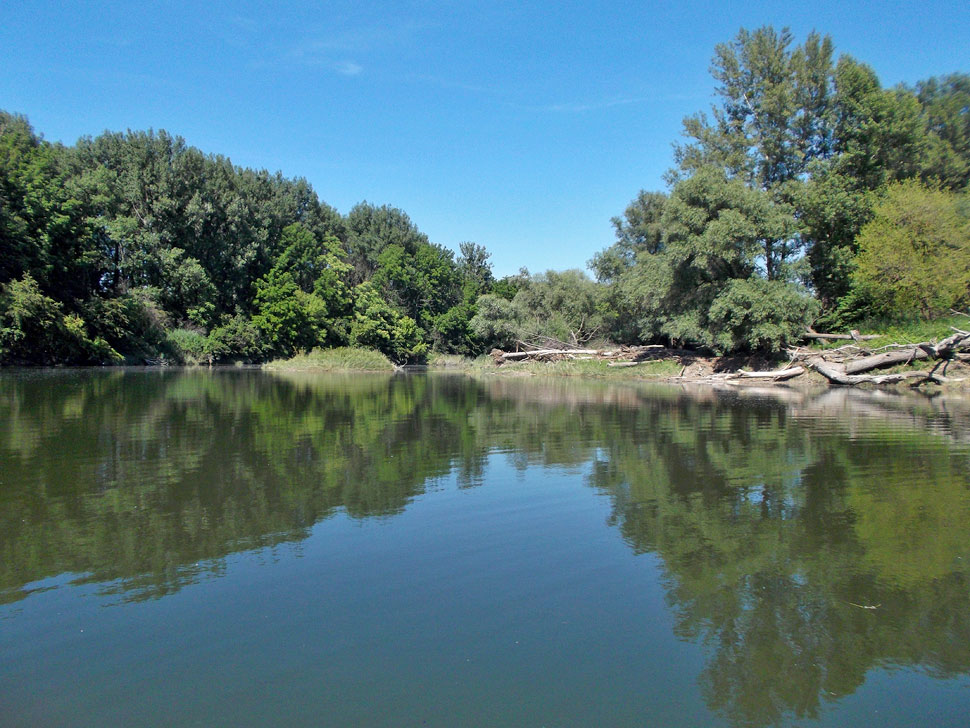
x=687 y=369
x=730 y=371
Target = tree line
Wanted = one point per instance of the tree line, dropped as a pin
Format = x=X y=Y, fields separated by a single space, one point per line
x=808 y=193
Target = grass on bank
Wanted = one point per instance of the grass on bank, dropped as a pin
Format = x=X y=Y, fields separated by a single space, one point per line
x=907 y=332
x=916 y=331
x=565 y=368
x=353 y=359
x=341 y=359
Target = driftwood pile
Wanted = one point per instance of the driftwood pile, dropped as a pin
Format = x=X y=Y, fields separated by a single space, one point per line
x=845 y=365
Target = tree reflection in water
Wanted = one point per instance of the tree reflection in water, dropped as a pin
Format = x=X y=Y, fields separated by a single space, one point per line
x=806 y=538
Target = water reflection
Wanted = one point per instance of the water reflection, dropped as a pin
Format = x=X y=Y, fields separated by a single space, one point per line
x=805 y=537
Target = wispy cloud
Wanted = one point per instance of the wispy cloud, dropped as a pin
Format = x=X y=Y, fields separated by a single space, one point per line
x=326 y=49
x=345 y=51
x=361 y=39
x=504 y=97
x=579 y=107
x=348 y=68
x=445 y=83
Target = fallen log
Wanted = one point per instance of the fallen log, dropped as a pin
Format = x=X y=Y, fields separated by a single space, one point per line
x=777 y=374
x=837 y=375
x=886 y=359
x=634 y=353
x=541 y=353
x=949 y=347
x=851 y=336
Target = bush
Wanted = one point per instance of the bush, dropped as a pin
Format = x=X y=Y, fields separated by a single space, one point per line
x=758 y=315
x=495 y=323
x=133 y=323
x=914 y=255
x=380 y=326
x=450 y=330
x=237 y=339
x=34 y=330
x=187 y=346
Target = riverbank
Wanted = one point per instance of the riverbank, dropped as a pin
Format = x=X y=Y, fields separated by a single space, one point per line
x=901 y=356
x=685 y=368
x=340 y=359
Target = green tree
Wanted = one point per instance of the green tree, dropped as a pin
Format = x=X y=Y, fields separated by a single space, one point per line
x=878 y=137
x=42 y=224
x=495 y=323
x=639 y=230
x=425 y=285
x=380 y=326
x=775 y=119
x=185 y=289
x=236 y=338
x=703 y=288
x=774 y=116
x=288 y=319
x=564 y=306
x=35 y=330
x=945 y=104
x=370 y=229
x=475 y=270
x=914 y=255
x=320 y=271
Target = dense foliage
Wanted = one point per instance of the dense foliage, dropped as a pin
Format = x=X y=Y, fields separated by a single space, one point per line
x=779 y=207
x=809 y=189
x=137 y=247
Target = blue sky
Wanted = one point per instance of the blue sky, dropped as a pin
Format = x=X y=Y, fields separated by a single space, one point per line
x=523 y=126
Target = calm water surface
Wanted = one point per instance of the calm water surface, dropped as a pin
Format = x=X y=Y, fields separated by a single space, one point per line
x=237 y=547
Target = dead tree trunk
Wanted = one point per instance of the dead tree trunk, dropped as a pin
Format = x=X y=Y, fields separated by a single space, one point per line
x=886 y=359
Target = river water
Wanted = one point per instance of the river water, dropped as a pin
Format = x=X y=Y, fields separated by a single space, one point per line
x=237 y=547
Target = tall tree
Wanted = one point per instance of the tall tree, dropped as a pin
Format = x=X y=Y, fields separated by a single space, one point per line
x=945 y=106
x=774 y=119
x=878 y=138
x=371 y=229
x=774 y=115
x=639 y=230
x=42 y=223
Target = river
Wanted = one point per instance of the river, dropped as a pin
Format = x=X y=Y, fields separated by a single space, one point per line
x=239 y=547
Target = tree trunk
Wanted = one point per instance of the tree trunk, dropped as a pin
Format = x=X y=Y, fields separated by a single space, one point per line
x=886 y=359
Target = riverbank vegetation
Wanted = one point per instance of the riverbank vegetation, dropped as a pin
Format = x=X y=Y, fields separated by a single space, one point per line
x=809 y=194
x=338 y=359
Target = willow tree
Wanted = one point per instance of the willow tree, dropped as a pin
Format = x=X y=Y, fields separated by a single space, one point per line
x=775 y=117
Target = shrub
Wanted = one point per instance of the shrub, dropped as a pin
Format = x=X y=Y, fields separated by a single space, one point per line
x=187 y=346
x=237 y=339
x=914 y=255
x=758 y=315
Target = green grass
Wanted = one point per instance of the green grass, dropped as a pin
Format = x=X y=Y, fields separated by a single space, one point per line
x=916 y=331
x=341 y=359
x=906 y=332
x=592 y=368
x=451 y=362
